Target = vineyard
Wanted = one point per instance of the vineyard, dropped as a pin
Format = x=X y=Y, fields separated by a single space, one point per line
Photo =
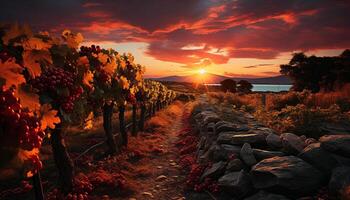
x=83 y=123
x=50 y=83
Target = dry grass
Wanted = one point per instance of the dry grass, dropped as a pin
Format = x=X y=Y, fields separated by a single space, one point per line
x=278 y=101
x=164 y=119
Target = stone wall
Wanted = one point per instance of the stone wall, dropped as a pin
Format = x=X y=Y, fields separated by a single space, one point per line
x=251 y=161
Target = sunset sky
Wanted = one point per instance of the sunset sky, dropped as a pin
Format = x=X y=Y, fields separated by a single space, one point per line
x=241 y=38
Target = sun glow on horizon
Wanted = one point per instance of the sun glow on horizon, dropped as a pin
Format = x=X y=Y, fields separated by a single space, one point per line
x=202 y=71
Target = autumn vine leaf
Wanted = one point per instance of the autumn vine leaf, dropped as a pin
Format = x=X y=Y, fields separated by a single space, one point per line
x=33 y=58
x=88 y=79
x=28 y=98
x=49 y=117
x=10 y=71
x=72 y=40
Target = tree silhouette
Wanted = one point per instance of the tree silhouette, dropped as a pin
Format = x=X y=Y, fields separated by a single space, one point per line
x=318 y=73
x=228 y=85
x=244 y=86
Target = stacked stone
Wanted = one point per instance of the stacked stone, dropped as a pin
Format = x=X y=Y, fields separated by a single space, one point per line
x=251 y=161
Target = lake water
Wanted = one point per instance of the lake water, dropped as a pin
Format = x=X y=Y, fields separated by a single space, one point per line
x=265 y=87
x=270 y=88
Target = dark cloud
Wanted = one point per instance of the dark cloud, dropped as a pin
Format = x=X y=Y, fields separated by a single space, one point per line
x=256 y=66
x=225 y=29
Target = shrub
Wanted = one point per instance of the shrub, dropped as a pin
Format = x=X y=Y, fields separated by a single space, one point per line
x=280 y=101
x=300 y=119
x=228 y=85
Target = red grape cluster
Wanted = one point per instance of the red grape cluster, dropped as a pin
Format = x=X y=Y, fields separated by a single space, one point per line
x=187 y=161
x=86 y=51
x=33 y=164
x=21 y=128
x=103 y=76
x=131 y=99
x=68 y=103
x=208 y=184
x=193 y=177
x=54 y=79
x=193 y=180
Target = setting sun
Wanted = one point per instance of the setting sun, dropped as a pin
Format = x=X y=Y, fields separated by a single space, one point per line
x=202 y=71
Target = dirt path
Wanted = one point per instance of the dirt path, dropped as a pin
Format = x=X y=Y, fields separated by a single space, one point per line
x=158 y=175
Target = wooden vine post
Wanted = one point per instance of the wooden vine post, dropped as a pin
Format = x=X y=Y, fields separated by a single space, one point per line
x=108 y=128
x=134 y=120
x=38 y=187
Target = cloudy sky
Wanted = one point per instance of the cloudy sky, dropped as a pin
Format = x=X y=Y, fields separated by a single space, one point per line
x=247 y=38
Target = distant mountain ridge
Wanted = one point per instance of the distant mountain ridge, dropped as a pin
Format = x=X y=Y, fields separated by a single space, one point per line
x=214 y=78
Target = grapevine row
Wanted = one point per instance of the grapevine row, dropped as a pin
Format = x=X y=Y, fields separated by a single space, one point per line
x=48 y=83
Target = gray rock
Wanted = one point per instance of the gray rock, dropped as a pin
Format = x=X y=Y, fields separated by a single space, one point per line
x=236 y=183
x=287 y=173
x=340 y=180
x=219 y=123
x=274 y=141
x=215 y=171
x=262 y=195
x=210 y=118
x=234 y=165
x=247 y=155
x=222 y=152
x=303 y=137
x=211 y=127
x=338 y=144
x=226 y=127
x=263 y=154
x=240 y=139
x=319 y=158
x=309 y=141
x=231 y=149
x=341 y=160
x=264 y=130
x=292 y=143
x=201 y=142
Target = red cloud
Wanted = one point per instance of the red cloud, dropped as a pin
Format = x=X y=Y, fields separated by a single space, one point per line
x=240 y=29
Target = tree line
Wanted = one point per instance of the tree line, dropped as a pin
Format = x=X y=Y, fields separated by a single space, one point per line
x=328 y=73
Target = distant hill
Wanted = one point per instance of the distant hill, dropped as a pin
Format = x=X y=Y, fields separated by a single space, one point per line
x=214 y=78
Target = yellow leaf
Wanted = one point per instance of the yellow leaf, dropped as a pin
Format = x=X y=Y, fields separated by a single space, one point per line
x=103 y=58
x=122 y=64
x=73 y=40
x=138 y=76
x=88 y=78
x=11 y=73
x=33 y=58
x=111 y=66
x=88 y=121
x=124 y=83
x=49 y=117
